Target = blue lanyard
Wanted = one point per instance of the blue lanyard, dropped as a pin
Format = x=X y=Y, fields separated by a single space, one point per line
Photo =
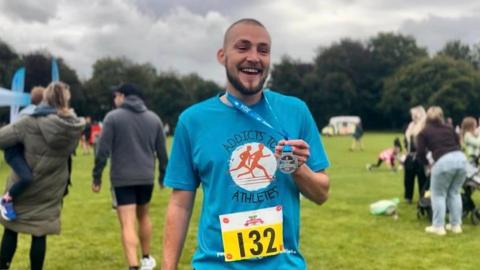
x=242 y=107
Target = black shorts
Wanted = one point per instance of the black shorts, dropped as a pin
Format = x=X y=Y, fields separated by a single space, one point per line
x=138 y=195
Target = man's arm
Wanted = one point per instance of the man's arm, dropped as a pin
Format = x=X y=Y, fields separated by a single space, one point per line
x=313 y=185
x=103 y=152
x=179 y=212
x=161 y=154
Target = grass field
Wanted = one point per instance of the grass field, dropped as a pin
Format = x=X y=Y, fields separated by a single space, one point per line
x=341 y=234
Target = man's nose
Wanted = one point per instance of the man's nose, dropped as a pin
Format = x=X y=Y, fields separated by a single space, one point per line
x=253 y=56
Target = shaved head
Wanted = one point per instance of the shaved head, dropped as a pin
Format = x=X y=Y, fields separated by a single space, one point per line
x=246 y=57
x=227 y=35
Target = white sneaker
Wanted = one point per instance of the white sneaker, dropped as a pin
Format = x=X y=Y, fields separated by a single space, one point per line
x=454 y=228
x=435 y=230
x=148 y=263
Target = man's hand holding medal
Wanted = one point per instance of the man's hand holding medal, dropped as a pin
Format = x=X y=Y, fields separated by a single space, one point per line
x=291 y=155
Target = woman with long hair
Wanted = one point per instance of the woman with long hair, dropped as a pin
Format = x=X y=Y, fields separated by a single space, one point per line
x=412 y=166
x=49 y=136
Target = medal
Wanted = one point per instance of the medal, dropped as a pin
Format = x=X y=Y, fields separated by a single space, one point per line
x=287 y=162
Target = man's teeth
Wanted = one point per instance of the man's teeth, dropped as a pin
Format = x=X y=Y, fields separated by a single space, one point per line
x=250 y=70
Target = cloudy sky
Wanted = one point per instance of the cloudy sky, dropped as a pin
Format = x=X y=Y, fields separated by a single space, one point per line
x=184 y=35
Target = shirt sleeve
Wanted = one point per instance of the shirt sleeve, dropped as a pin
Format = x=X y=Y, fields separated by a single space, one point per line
x=104 y=149
x=181 y=173
x=318 y=160
x=471 y=139
x=161 y=151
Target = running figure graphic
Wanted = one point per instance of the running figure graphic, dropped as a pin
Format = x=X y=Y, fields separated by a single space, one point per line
x=244 y=159
x=253 y=162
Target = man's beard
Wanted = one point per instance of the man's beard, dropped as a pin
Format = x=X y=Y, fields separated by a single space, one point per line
x=235 y=82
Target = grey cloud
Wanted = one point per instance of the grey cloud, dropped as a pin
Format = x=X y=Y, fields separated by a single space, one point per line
x=424 y=4
x=180 y=41
x=161 y=8
x=435 y=31
x=29 y=10
x=184 y=35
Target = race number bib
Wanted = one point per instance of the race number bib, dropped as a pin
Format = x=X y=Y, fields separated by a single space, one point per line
x=252 y=234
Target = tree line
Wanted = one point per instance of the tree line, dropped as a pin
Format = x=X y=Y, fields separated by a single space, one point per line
x=379 y=80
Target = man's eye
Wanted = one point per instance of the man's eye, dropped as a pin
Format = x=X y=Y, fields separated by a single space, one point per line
x=264 y=51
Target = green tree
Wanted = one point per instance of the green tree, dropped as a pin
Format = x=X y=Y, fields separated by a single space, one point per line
x=457 y=50
x=347 y=60
x=9 y=61
x=170 y=98
x=389 y=52
x=288 y=76
x=199 y=88
x=337 y=94
x=475 y=52
x=110 y=72
x=443 y=81
x=38 y=67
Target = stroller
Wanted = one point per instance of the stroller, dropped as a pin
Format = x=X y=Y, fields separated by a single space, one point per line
x=424 y=205
x=471 y=184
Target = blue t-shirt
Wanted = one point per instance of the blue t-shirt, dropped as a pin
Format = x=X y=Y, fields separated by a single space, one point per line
x=215 y=145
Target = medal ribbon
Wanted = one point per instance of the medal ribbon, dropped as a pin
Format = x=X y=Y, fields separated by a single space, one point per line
x=242 y=107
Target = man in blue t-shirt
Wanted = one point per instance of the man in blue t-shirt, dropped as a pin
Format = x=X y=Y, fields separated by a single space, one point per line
x=253 y=151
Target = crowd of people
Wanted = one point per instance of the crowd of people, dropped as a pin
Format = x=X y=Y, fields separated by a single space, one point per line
x=251 y=159
x=436 y=154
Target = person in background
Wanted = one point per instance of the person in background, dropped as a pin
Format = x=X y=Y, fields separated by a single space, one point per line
x=357 y=137
x=389 y=156
x=447 y=173
x=471 y=140
x=133 y=136
x=36 y=96
x=412 y=167
x=14 y=156
x=49 y=136
x=86 y=136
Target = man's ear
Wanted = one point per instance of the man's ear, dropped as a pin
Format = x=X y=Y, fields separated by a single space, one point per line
x=221 y=56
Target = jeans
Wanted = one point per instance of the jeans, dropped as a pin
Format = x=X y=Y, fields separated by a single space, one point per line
x=448 y=175
x=14 y=156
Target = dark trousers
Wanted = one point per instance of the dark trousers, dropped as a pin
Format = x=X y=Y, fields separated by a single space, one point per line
x=9 y=246
x=14 y=156
x=379 y=162
x=413 y=168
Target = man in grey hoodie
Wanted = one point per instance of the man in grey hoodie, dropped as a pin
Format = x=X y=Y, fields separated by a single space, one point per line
x=132 y=135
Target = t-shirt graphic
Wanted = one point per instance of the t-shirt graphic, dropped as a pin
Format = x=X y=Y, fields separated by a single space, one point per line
x=231 y=158
x=252 y=166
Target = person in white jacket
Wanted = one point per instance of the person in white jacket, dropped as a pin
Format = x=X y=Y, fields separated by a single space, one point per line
x=471 y=140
